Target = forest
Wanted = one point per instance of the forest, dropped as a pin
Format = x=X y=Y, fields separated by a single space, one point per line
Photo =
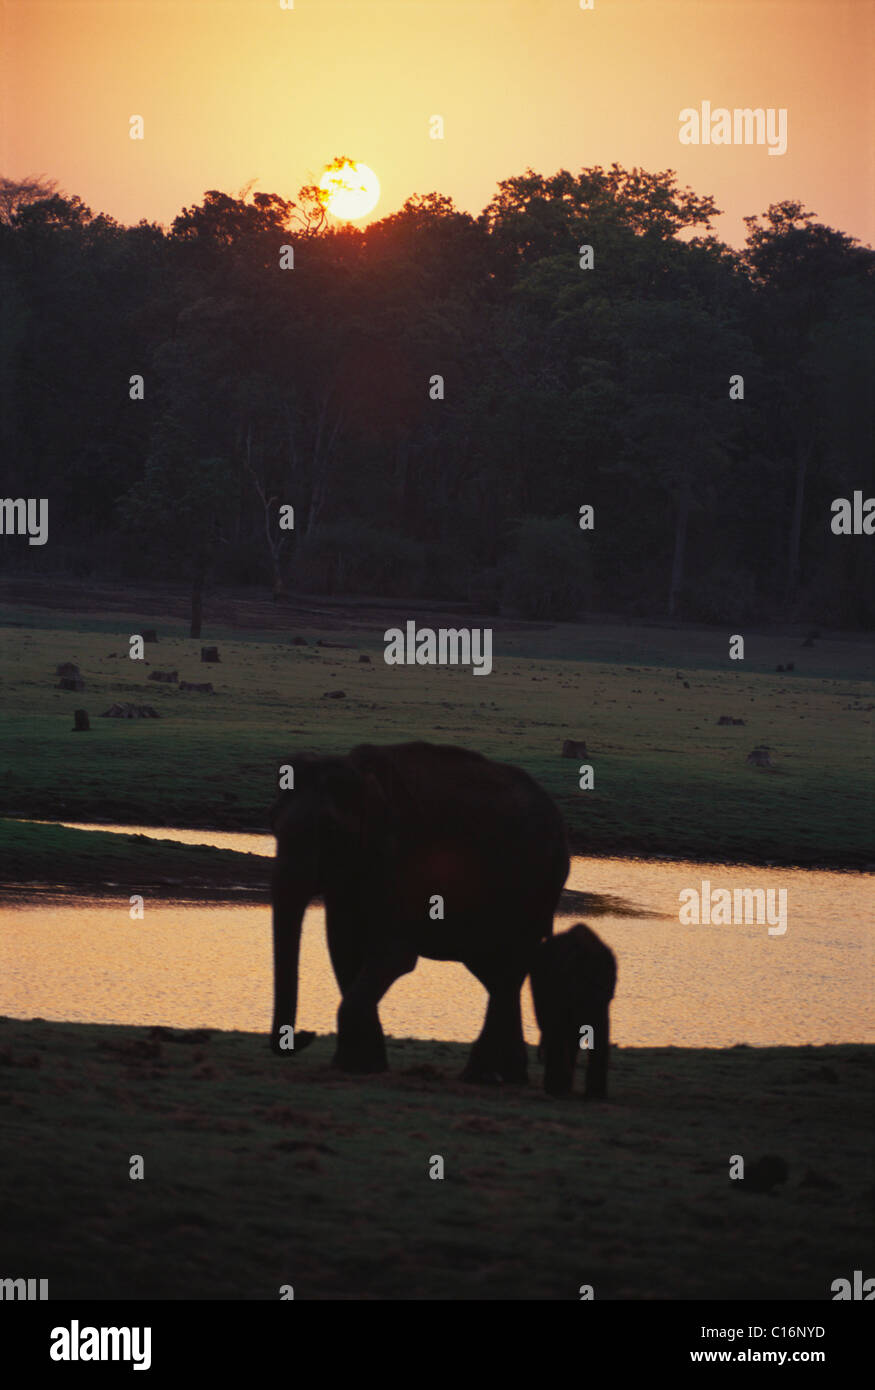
x=580 y=401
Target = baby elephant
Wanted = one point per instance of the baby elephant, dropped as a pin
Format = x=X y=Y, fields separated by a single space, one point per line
x=573 y=980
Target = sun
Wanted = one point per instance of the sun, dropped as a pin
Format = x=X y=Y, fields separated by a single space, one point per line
x=349 y=190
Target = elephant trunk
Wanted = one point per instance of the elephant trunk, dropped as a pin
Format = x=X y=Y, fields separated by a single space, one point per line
x=289 y=905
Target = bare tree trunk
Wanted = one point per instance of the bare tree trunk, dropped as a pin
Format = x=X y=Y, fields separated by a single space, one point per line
x=323 y=450
x=803 y=458
x=680 y=545
x=241 y=491
x=274 y=546
x=279 y=583
x=197 y=599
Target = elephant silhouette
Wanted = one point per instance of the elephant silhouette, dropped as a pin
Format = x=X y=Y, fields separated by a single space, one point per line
x=417 y=849
x=573 y=979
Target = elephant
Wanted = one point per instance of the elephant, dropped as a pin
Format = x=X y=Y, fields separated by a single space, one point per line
x=417 y=849
x=573 y=979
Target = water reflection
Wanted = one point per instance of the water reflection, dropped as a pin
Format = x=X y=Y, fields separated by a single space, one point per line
x=198 y=964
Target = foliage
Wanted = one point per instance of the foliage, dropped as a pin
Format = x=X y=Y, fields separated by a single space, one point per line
x=548 y=572
x=315 y=387
x=345 y=557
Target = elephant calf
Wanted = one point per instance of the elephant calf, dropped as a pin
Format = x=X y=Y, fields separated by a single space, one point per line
x=573 y=979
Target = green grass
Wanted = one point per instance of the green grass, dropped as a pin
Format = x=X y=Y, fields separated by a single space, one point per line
x=96 y=860
x=668 y=780
x=261 y=1172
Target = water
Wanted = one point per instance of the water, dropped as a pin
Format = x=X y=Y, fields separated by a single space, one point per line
x=191 y=964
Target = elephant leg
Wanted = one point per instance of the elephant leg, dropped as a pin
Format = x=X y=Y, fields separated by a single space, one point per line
x=596 y=1085
x=346 y=950
x=361 y=1046
x=559 y=1045
x=499 y=1054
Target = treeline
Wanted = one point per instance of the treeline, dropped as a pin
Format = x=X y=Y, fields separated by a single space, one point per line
x=437 y=396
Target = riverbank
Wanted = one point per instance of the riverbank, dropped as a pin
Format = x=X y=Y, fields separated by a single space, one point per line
x=98 y=862
x=669 y=778
x=260 y=1172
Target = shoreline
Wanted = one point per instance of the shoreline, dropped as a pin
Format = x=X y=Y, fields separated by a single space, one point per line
x=47 y=855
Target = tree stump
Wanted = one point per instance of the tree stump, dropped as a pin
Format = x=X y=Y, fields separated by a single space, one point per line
x=365 y=659
x=210 y=654
x=67 y=668
x=70 y=683
x=299 y=641
x=81 y=724
x=759 y=757
x=168 y=677
x=128 y=711
x=574 y=748
x=149 y=634
x=334 y=695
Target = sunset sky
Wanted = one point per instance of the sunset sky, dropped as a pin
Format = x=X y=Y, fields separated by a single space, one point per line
x=236 y=90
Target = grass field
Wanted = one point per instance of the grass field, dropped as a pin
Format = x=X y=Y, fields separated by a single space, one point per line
x=96 y=861
x=668 y=779
x=260 y=1172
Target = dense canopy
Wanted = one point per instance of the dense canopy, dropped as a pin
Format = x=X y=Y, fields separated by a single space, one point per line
x=437 y=396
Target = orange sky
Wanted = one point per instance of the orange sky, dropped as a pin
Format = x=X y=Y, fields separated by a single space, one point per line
x=233 y=90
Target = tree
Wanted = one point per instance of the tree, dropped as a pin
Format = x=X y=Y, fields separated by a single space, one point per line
x=800 y=269
x=533 y=216
x=180 y=510
x=548 y=572
x=678 y=421
x=181 y=506
x=16 y=194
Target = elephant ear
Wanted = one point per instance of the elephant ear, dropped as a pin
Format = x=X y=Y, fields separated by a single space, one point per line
x=303 y=765
x=388 y=775
x=357 y=803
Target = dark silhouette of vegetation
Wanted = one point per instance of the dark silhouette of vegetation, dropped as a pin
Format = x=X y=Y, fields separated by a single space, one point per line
x=313 y=387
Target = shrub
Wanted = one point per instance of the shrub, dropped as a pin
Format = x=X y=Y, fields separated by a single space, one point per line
x=722 y=596
x=548 y=573
x=345 y=557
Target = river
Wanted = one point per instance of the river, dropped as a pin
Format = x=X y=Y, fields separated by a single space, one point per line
x=65 y=955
